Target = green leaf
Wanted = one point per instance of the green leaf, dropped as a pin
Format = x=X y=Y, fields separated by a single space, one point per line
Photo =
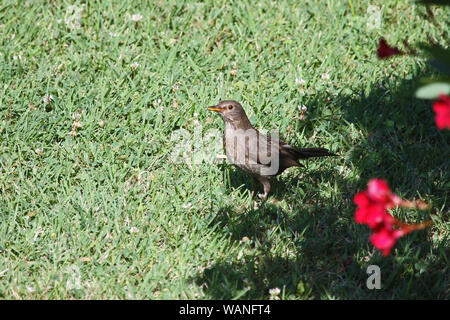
x=440 y=54
x=440 y=66
x=433 y=90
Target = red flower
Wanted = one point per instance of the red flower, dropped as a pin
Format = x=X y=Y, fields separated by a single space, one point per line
x=361 y=199
x=373 y=215
x=441 y=108
x=384 y=238
x=373 y=205
x=369 y=211
x=378 y=190
x=385 y=51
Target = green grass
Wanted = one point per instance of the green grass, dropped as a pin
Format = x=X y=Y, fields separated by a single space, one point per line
x=105 y=214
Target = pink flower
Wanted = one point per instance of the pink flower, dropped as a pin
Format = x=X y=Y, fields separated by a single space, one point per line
x=378 y=190
x=361 y=199
x=372 y=215
x=370 y=212
x=384 y=239
x=385 y=51
x=372 y=209
x=441 y=108
x=374 y=202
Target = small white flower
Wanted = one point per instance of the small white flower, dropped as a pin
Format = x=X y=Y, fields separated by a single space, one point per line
x=47 y=98
x=59 y=21
x=157 y=102
x=195 y=114
x=274 y=291
x=136 y=17
x=76 y=116
x=187 y=205
x=19 y=57
x=134 y=230
x=302 y=108
x=31 y=289
x=300 y=81
x=274 y=294
x=326 y=76
x=135 y=65
x=38 y=151
x=113 y=34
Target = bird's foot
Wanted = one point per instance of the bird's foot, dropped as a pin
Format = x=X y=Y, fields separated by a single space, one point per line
x=263 y=196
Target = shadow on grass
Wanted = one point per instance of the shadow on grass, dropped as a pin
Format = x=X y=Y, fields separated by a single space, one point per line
x=328 y=254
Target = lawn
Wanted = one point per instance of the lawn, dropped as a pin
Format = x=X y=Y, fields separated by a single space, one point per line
x=93 y=206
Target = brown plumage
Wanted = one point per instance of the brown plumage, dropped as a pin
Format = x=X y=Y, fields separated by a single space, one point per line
x=259 y=155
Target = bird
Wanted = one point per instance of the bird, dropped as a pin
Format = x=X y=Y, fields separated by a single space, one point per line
x=261 y=156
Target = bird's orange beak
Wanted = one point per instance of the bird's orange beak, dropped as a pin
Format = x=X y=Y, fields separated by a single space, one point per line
x=214 y=108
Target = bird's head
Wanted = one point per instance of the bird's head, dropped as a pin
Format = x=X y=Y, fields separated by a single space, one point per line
x=230 y=111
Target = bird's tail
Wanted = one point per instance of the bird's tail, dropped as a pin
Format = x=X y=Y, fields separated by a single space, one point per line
x=306 y=153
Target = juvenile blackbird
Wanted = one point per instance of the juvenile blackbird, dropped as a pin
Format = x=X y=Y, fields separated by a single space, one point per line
x=261 y=156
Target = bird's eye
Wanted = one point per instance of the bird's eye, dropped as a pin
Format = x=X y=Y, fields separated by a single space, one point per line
x=230 y=107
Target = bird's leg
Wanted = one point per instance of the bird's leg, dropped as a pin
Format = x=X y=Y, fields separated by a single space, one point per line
x=255 y=187
x=266 y=184
x=255 y=192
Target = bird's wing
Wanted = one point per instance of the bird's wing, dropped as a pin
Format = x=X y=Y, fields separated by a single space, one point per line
x=274 y=144
x=286 y=154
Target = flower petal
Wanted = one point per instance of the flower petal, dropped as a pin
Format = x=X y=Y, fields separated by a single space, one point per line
x=383 y=240
x=441 y=108
x=361 y=199
x=378 y=190
x=385 y=51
